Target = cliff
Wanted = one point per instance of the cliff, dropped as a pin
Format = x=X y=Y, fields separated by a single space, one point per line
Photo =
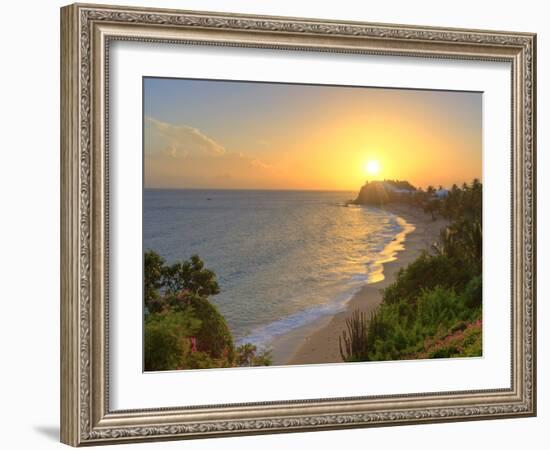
x=383 y=192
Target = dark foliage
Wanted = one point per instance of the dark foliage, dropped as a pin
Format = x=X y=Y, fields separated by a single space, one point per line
x=167 y=339
x=353 y=342
x=427 y=272
x=380 y=193
x=161 y=280
x=183 y=329
x=247 y=355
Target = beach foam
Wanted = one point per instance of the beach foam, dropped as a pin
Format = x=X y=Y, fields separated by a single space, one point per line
x=263 y=336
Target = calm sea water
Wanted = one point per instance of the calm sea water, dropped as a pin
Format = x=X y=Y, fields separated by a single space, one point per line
x=282 y=258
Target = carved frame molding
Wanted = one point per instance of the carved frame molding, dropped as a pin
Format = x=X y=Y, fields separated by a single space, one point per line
x=86 y=33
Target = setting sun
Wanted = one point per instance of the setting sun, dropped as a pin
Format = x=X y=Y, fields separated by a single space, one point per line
x=194 y=136
x=372 y=167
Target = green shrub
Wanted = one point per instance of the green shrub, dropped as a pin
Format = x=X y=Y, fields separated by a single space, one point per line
x=427 y=272
x=462 y=241
x=247 y=355
x=397 y=331
x=214 y=336
x=200 y=360
x=473 y=294
x=153 y=265
x=166 y=339
x=473 y=339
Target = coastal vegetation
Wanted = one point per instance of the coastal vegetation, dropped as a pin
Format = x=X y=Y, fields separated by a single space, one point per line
x=183 y=329
x=433 y=309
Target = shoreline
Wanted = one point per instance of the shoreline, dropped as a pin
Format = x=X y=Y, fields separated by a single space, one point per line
x=317 y=342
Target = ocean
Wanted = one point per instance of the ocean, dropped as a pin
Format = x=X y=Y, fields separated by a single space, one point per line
x=283 y=259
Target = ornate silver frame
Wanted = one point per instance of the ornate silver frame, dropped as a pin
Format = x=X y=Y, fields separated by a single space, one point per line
x=86 y=32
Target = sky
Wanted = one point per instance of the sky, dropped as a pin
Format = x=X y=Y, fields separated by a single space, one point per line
x=204 y=134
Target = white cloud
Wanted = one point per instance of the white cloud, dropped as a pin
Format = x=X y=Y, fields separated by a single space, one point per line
x=183 y=156
x=182 y=140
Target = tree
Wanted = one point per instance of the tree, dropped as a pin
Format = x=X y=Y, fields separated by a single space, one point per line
x=190 y=275
x=247 y=355
x=462 y=241
x=213 y=337
x=167 y=280
x=176 y=298
x=178 y=312
x=166 y=339
x=153 y=266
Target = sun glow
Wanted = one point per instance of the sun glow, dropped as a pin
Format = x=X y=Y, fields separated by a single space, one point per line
x=351 y=135
x=372 y=167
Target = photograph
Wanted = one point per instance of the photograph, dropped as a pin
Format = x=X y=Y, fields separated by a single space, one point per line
x=290 y=224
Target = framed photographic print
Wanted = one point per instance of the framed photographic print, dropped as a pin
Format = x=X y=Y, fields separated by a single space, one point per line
x=276 y=225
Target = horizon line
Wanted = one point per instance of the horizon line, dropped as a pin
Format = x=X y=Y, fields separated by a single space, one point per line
x=435 y=185
x=242 y=189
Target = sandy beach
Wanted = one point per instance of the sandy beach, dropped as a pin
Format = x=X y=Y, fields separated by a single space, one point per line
x=318 y=342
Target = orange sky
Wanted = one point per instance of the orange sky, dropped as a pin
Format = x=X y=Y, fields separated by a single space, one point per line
x=239 y=135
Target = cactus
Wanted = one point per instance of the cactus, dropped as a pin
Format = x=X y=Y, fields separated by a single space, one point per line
x=354 y=346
